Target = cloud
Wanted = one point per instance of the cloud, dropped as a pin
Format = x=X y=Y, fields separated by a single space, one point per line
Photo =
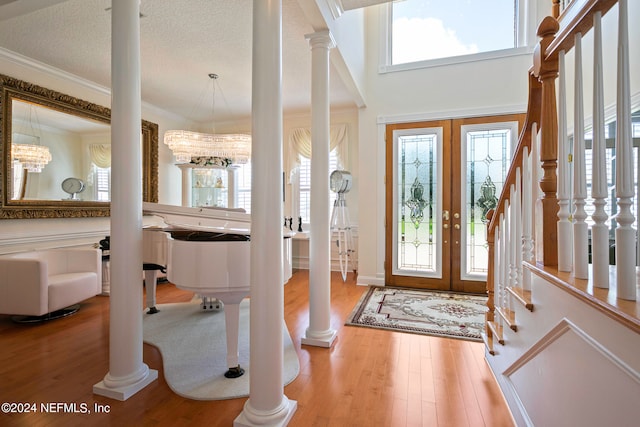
x=418 y=39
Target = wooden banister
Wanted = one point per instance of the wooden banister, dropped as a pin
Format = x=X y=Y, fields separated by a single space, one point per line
x=524 y=140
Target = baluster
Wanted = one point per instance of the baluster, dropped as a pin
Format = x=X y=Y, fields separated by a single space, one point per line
x=513 y=238
x=580 y=229
x=507 y=252
x=527 y=199
x=517 y=235
x=625 y=234
x=565 y=248
x=599 y=191
x=503 y=257
x=491 y=273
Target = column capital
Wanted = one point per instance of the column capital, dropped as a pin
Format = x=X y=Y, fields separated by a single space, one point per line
x=322 y=39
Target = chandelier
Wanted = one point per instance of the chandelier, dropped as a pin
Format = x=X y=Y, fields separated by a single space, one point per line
x=187 y=144
x=32 y=157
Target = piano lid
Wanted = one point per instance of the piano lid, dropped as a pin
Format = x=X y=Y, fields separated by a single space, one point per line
x=215 y=220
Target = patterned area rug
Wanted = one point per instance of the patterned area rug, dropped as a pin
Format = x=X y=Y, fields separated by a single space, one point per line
x=422 y=312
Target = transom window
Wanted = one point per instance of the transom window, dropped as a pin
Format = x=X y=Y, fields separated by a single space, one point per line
x=423 y=30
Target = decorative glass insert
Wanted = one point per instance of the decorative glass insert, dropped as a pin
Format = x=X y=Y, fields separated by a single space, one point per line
x=417 y=204
x=487 y=163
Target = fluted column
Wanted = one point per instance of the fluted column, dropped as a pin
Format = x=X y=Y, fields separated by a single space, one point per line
x=127 y=373
x=267 y=404
x=319 y=332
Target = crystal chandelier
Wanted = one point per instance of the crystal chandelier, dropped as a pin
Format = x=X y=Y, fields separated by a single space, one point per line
x=32 y=157
x=187 y=144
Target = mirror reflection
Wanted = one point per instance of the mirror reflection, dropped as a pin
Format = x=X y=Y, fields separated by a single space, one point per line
x=56 y=154
x=50 y=148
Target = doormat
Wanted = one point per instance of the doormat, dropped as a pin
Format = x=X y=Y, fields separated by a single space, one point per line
x=416 y=311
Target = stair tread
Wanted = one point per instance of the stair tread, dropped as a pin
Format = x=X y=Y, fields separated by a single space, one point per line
x=496 y=331
x=522 y=296
x=509 y=317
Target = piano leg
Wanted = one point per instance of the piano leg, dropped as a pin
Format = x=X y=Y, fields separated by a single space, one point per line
x=232 y=320
x=150 y=280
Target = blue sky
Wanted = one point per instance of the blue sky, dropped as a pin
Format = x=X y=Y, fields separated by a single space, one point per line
x=430 y=29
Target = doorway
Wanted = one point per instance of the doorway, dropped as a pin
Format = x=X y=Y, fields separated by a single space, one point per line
x=441 y=179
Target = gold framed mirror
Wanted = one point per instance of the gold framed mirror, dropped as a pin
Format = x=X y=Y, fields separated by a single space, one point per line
x=48 y=138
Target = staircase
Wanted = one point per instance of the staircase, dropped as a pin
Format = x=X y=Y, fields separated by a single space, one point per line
x=562 y=332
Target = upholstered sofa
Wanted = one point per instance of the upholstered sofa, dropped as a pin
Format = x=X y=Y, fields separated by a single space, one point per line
x=41 y=282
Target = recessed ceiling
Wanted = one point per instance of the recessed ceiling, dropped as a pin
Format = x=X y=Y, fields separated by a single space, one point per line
x=182 y=41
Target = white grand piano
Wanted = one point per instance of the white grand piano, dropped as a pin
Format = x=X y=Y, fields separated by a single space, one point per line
x=207 y=251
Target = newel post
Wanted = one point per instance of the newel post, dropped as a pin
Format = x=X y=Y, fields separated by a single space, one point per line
x=546 y=70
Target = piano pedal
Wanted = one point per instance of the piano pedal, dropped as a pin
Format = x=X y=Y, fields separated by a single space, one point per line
x=234 y=372
x=211 y=304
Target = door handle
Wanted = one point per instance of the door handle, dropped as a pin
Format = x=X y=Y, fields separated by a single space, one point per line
x=456 y=226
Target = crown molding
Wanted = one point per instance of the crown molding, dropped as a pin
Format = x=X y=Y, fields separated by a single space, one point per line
x=41 y=67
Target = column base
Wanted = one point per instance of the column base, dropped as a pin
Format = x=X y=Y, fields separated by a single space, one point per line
x=320 y=340
x=126 y=391
x=249 y=418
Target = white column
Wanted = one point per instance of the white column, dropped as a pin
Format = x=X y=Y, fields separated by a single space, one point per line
x=187 y=171
x=127 y=374
x=232 y=187
x=625 y=234
x=267 y=404
x=319 y=332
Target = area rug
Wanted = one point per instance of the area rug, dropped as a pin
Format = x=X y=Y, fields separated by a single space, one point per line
x=443 y=314
x=194 y=350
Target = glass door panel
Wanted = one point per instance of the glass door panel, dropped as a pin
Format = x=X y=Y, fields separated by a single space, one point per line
x=442 y=179
x=486 y=158
x=417 y=251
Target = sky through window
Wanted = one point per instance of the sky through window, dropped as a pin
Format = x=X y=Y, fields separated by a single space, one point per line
x=431 y=29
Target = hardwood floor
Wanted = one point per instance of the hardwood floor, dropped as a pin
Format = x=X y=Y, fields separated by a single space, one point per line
x=368 y=378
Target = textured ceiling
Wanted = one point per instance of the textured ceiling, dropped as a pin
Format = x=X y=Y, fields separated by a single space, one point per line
x=182 y=41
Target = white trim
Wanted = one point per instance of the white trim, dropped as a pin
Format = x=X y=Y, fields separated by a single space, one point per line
x=336 y=8
x=452 y=60
x=370 y=280
x=452 y=114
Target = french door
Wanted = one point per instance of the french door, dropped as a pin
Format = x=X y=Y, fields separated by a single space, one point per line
x=441 y=179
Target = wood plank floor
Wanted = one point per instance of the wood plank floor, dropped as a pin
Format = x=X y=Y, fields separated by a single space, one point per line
x=368 y=378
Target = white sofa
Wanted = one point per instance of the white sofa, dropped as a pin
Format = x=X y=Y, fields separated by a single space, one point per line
x=37 y=283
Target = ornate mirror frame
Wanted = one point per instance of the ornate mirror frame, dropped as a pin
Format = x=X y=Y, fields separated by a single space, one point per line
x=10 y=89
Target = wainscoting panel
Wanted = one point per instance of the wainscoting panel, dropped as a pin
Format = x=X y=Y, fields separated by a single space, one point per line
x=568 y=363
x=572 y=371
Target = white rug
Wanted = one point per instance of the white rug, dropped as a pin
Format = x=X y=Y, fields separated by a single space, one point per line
x=194 y=350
